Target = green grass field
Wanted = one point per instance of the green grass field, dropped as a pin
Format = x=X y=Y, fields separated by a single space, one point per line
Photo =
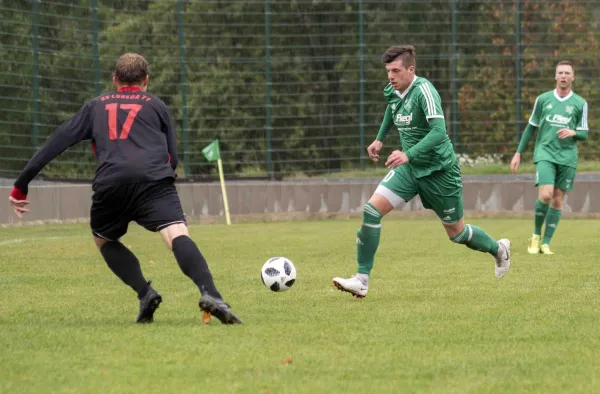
x=436 y=320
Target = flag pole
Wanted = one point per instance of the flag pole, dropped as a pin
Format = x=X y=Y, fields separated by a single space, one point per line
x=224 y=191
x=212 y=153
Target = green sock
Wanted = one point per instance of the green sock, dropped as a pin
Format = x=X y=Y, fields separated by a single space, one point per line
x=367 y=239
x=475 y=238
x=551 y=223
x=541 y=210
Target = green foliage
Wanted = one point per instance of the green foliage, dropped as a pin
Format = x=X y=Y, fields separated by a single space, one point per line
x=550 y=33
x=218 y=79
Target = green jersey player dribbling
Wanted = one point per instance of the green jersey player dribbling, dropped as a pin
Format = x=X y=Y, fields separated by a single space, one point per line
x=426 y=166
x=560 y=117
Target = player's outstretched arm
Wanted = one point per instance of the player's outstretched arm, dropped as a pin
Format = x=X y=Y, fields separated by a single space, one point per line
x=374 y=149
x=437 y=134
x=430 y=102
x=515 y=162
x=395 y=159
x=525 y=137
x=18 y=205
x=581 y=132
x=386 y=123
x=74 y=130
x=565 y=133
x=581 y=135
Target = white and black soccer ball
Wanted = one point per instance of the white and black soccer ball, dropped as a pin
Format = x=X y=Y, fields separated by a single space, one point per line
x=278 y=274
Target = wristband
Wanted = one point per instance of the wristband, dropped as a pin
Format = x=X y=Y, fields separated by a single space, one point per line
x=18 y=194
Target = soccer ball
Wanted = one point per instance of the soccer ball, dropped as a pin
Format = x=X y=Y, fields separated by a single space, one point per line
x=278 y=274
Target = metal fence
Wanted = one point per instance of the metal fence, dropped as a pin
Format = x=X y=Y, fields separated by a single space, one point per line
x=288 y=86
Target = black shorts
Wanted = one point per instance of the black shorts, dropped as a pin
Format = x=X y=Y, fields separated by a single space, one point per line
x=153 y=205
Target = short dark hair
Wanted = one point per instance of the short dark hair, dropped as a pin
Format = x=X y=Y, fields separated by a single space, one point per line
x=131 y=69
x=565 y=63
x=406 y=53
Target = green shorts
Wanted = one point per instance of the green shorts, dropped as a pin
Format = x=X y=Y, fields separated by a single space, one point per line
x=441 y=191
x=560 y=176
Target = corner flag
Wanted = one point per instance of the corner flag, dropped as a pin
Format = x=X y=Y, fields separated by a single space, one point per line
x=212 y=153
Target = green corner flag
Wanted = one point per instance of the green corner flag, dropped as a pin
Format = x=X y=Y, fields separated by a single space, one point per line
x=211 y=151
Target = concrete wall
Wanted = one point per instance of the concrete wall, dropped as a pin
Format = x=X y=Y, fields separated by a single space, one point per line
x=338 y=196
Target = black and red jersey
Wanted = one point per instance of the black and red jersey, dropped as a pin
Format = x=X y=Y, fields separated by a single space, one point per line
x=132 y=135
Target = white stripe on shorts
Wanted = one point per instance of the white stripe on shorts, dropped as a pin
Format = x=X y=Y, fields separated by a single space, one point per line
x=101 y=236
x=168 y=224
x=389 y=195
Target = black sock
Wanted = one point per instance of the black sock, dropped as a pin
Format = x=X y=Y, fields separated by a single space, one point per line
x=125 y=265
x=192 y=264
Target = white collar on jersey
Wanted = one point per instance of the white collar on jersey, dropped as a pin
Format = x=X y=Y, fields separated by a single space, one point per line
x=568 y=96
x=402 y=95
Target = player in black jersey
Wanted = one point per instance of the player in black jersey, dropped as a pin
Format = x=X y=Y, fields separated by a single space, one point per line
x=134 y=143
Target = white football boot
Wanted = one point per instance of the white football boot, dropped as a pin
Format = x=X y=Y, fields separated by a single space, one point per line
x=503 y=258
x=353 y=285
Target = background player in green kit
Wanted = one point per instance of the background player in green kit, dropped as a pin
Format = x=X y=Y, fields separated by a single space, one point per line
x=426 y=166
x=560 y=116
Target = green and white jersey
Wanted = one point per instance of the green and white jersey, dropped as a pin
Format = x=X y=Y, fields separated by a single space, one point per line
x=552 y=113
x=410 y=112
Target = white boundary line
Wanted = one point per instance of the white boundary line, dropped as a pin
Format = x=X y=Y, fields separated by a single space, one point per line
x=21 y=240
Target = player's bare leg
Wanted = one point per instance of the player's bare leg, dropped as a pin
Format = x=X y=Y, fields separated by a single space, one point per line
x=367 y=241
x=475 y=238
x=194 y=266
